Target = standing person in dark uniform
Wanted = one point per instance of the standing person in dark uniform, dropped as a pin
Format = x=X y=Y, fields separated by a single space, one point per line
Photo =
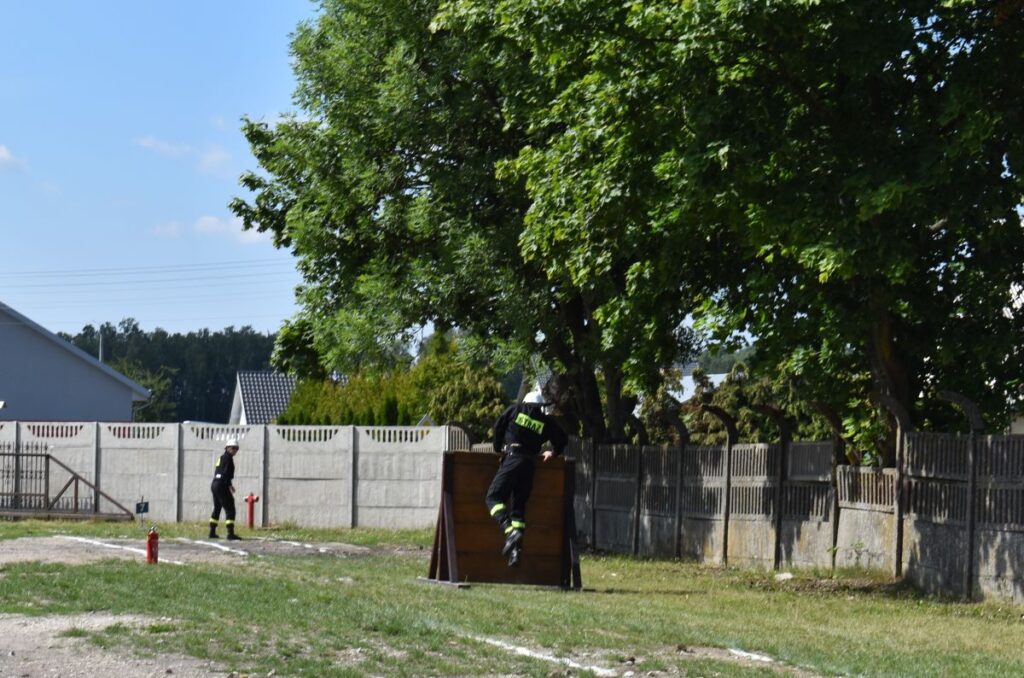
x=518 y=435
x=223 y=491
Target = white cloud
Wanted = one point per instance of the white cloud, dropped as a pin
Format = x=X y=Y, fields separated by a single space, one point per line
x=218 y=122
x=214 y=160
x=7 y=159
x=168 y=229
x=163 y=147
x=231 y=227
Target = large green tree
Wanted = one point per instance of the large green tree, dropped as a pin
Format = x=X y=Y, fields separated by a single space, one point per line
x=840 y=180
x=858 y=164
x=400 y=189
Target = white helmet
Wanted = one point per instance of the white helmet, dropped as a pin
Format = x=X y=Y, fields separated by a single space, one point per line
x=534 y=398
x=232 y=442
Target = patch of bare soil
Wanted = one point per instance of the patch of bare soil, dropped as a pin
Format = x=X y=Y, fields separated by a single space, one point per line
x=38 y=647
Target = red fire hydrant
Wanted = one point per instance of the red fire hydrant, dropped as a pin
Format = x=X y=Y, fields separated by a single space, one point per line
x=251 y=501
x=152 y=546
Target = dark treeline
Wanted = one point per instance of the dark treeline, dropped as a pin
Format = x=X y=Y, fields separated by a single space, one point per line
x=192 y=375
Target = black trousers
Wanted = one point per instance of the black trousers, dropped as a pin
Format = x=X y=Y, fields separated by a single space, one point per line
x=510 y=490
x=222 y=498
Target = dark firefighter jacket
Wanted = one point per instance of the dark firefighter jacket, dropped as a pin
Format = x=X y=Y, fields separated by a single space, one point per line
x=224 y=472
x=527 y=427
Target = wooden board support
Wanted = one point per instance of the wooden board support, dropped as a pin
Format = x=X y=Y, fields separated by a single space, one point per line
x=468 y=542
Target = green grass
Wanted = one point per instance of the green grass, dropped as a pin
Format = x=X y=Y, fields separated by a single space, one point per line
x=368 y=615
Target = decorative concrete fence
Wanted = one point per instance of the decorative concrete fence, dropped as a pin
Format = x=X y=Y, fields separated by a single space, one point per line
x=951 y=518
x=315 y=476
x=723 y=504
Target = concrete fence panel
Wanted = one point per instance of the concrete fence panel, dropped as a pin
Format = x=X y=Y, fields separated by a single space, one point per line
x=616 y=497
x=867 y=519
x=76 y=444
x=755 y=471
x=308 y=476
x=702 y=502
x=398 y=475
x=659 y=477
x=139 y=462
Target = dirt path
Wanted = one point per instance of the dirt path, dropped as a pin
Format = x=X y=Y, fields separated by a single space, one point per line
x=36 y=647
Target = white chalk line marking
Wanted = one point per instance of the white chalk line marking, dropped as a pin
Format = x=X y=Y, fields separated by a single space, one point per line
x=213 y=545
x=306 y=546
x=533 y=654
x=752 y=656
x=117 y=547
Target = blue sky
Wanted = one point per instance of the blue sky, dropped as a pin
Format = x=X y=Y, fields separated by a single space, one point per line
x=119 y=152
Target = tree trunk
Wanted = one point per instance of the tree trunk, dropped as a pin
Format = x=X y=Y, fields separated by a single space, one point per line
x=889 y=373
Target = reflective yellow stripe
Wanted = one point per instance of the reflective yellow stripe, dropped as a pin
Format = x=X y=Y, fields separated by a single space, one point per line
x=229 y=522
x=518 y=524
x=509 y=529
x=214 y=522
x=526 y=421
x=496 y=508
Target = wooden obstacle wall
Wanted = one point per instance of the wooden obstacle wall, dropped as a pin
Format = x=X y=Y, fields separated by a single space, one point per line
x=468 y=541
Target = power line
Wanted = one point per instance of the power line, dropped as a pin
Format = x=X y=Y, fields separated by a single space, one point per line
x=139 y=281
x=168 y=268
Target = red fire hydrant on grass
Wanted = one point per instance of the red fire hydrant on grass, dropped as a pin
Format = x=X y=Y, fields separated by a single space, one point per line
x=153 y=546
x=251 y=501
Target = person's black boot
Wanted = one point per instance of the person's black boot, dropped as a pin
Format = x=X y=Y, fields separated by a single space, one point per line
x=231 y=534
x=512 y=540
x=515 y=556
x=213 y=531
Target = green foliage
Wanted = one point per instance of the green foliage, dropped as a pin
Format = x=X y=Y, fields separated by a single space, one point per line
x=573 y=180
x=440 y=384
x=201 y=366
x=408 y=189
x=159 y=407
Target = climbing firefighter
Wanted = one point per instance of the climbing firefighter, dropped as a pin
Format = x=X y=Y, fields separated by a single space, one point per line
x=519 y=433
x=223 y=491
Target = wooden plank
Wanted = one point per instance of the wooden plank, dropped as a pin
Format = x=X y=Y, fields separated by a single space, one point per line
x=478 y=538
x=541 y=512
x=539 y=570
x=475 y=479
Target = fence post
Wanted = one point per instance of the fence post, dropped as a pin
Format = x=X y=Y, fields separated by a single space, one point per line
x=903 y=427
x=684 y=438
x=731 y=438
x=179 y=473
x=16 y=504
x=593 y=493
x=265 y=477
x=97 y=467
x=353 y=519
x=639 y=504
x=785 y=436
x=977 y=427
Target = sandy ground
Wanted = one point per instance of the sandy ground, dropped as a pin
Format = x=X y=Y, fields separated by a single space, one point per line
x=34 y=647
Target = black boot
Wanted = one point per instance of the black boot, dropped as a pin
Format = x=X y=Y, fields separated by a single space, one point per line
x=513 y=539
x=515 y=556
x=231 y=533
x=213 y=531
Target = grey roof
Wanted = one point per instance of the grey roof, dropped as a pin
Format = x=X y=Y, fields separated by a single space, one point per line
x=139 y=392
x=265 y=395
